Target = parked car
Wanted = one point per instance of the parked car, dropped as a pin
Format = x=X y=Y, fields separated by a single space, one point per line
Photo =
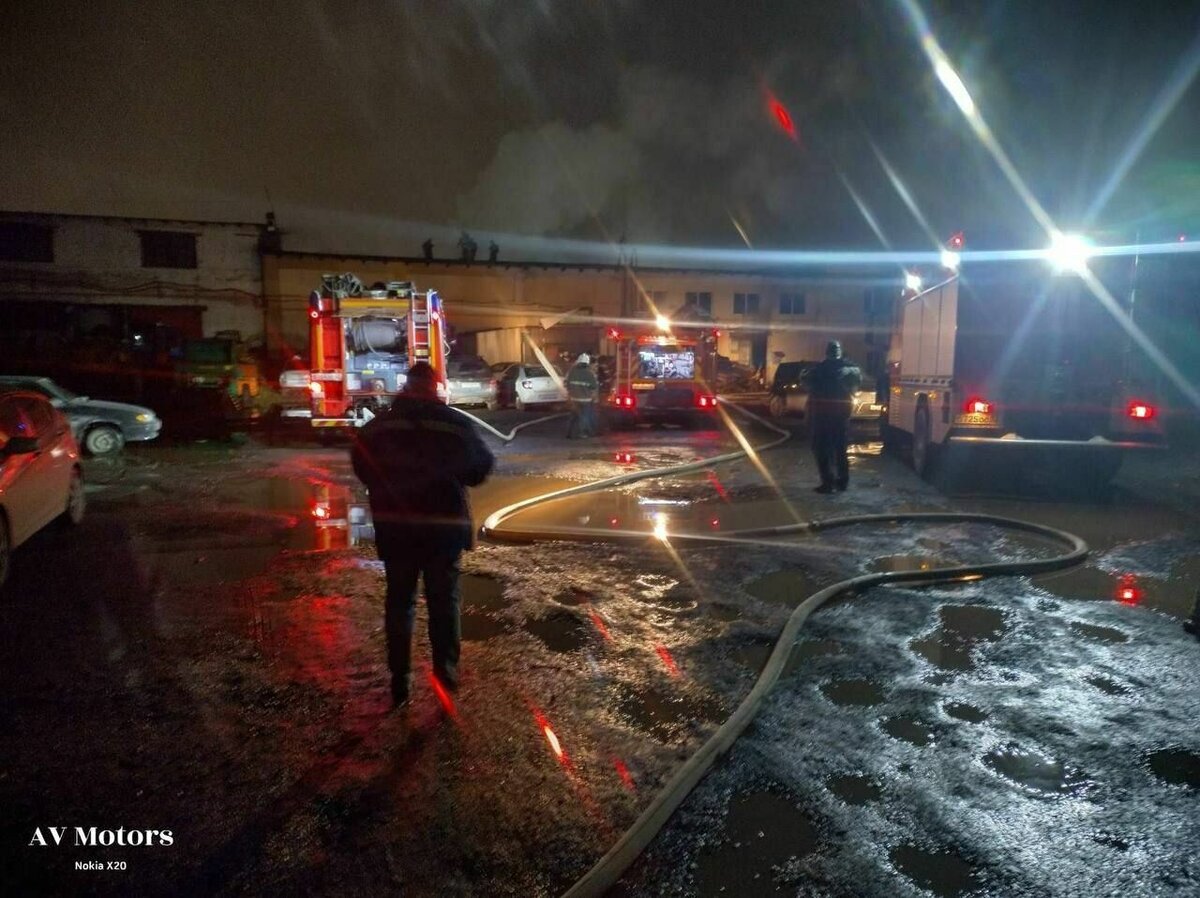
x=40 y=476
x=469 y=381
x=101 y=428
x=789 y=398
x=521 y=386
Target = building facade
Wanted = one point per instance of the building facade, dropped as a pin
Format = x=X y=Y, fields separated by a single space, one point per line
x=497 y=307
x=129 y=279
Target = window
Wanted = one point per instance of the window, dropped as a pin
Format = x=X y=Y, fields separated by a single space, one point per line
x=168 y=249
x=791 y=303
x=702 y=301
x=24 y=242
x=657 y=297
x=745 y=303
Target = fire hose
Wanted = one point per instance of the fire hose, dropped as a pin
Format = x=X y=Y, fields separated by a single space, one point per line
x=608 y=869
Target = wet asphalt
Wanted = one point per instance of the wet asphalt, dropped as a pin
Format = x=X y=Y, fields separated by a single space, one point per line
x=204 y=654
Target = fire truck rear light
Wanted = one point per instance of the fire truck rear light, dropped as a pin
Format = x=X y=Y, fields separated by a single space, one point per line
x=317 y=388
x=704 y=401
x=1141 y=410
x=977 y=406
x=624 y=400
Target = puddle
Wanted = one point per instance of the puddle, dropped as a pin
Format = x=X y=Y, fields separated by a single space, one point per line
x=1176 y=765
x=561 y=631
x=944 y=872
x=890 y=564
x=1107 y=686
x=1099 y=634
x=909 y=729
x=724 y=612
x=664 y=592
x=575 y=596
x=963 y=711
x=1174 y=595
x=665 y=715
x=762 y=831
x=962 y=626
x=855 y=789
x=755 y=655
x=1035 y=771
x=1108 y=840
x=788 y=587
x=862 y=693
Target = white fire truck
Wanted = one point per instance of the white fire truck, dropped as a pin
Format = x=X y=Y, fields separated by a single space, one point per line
x=361 y=343
x=1012 y=360
x=663 y=373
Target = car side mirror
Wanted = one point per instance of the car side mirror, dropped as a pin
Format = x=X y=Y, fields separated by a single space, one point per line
x=20 y=446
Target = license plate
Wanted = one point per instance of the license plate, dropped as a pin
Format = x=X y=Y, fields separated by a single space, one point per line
x=973 y=418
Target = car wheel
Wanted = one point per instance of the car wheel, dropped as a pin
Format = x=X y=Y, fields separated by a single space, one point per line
x=72 y=516
x=5 y=550
x=519 y=404
x=492 y=404
x=922 y=444
x=777 y=407
x=103 y=440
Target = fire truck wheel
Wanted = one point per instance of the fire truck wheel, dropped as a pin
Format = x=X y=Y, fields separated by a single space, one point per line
x=922 y=444
x=103 y=440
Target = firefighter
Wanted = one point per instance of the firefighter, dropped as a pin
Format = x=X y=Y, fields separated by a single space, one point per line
x=583 y=390
x=831 y=387
x=416 y=459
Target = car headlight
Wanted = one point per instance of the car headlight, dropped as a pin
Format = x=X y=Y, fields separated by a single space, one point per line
x=145 y=417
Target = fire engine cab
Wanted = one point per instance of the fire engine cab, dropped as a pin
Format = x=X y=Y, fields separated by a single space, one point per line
x=663 y=374
x=362 y=342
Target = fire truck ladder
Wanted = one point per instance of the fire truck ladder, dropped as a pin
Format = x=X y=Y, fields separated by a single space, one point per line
x=418 y=329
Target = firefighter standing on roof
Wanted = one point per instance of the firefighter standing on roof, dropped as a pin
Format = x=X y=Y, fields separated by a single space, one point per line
x=831 y=387
x=583 y=390
x=416 y=459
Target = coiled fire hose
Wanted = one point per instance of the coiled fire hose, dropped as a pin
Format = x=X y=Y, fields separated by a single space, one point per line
x=609 y=868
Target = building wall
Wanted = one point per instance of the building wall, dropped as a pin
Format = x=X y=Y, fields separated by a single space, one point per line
x=98 y=261
x=504 y=297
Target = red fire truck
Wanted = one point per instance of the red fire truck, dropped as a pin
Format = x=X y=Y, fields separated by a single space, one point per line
x=663 y=373
x=362 y=342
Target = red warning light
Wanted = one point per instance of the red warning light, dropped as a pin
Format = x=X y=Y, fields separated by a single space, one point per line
x=783 y=117
x=956 y=241
x=614 y=334
x=715 y=523
x=1128 y=592
x=314 y=314
x=443 y=696
x=1141 y=410
x=320 y=511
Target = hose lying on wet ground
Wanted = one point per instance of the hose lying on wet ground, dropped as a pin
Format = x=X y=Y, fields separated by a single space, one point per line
x=606 y=871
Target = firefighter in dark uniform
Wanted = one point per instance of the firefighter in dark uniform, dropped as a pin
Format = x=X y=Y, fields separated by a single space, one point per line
x=584 y=391
x=416 y=459
x=831 y=387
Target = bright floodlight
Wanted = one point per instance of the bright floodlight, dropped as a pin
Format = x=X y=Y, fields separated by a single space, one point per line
x=951 y=260
x=660 y=526
x=912 y=281
x=663 y=322
x=954 y=85
x=1068 y=252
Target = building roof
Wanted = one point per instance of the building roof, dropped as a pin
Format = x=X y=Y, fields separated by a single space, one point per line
x=49 y=216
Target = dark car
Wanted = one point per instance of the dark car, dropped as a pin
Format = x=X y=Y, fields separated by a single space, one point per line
x=101 y=428
x=789 y=398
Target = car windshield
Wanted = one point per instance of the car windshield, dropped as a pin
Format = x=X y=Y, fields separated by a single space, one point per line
x=468 y=369
x=208 y=352
x=536 y=371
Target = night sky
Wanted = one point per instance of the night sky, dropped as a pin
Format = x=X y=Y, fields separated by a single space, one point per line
x=372 y=124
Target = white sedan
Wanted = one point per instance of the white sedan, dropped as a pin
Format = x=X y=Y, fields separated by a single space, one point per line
x=521 y=386
x=40 y=477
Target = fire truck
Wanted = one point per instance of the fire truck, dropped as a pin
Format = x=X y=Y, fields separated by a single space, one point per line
x=1014 y=362
x=362 y=342
x=663 y=373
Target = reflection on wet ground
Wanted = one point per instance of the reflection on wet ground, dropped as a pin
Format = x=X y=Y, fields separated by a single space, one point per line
x=763 y=831
x=1099 y=634
x=944 y=873
x=1173 y=593
x=482 y=597
x=561 y=631
x=1035 y=771
x=789 y=587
